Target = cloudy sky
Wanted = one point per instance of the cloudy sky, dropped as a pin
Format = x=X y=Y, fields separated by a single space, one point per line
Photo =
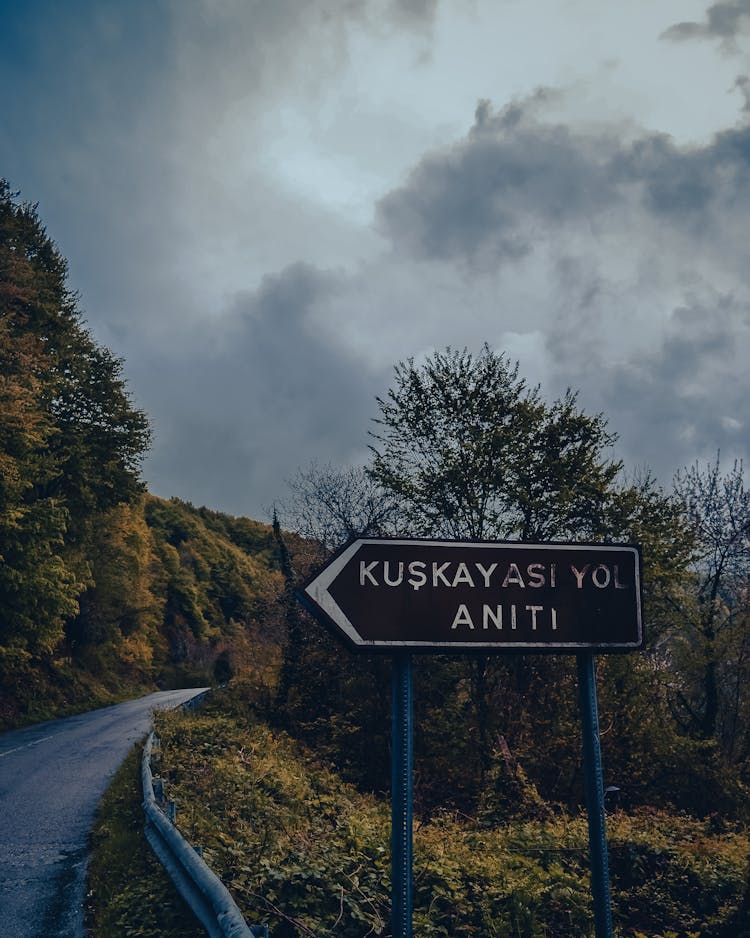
x=265 y=204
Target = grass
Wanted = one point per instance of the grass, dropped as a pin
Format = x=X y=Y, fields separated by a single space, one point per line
x=128 y=891
x=60 y=689
x=309 y=854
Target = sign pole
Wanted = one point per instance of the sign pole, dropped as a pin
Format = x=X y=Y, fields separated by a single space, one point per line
x=592 y=767
x=402 y=761
x=399 y=594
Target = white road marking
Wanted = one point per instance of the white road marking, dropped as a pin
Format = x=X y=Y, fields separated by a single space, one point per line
x=25 y=746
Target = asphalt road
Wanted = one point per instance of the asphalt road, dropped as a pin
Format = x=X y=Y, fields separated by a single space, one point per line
x=52 y=776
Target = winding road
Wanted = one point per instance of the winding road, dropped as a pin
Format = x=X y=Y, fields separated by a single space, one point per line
x=52 y=776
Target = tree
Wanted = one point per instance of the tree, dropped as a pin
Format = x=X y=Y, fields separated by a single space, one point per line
x=713 y=646
x=71 y=441
x=332 y=506
x=102 y=438
x=465 y=449
x=119 y=614
x=468 y=450
x=99 y=438
x=316 y=694
x=37 y=587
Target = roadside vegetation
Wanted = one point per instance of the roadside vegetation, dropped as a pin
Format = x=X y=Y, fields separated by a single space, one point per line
x=309 y=854
x=129 y=892
x=180 y=597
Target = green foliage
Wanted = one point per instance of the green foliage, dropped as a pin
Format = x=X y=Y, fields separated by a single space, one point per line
x=642 y=514
x=38 y=588
x=99 y=585
x=289 y=839
x=310 y=854
x=32 y=692
x=710 y=649
x=129 y=893
x=119 y=608
x=465 y=449
x=102 y=438
x=70 y=440
x=250 y=536
x=507 y=792
x=170 y=599
x=469 y=451
x=672 y=872
x=212 y=589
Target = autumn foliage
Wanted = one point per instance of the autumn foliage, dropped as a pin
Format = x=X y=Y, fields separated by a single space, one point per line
x=104 y=589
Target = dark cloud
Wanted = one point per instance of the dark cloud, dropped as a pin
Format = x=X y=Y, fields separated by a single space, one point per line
x=688 y=396
x=84 y=103
x=487 y=199
x=116 y=122
x=689 y=186
x=141 y=129
x=743 y=85
x=414 y=11
x=640 y=244
x=724 y=20
x=267 y=387
x=473 y=201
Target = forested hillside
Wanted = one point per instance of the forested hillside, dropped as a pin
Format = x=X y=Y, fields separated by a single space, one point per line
x=104 y=589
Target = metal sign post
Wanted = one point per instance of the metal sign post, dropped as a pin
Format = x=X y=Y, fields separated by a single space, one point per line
x=402 y=762
x=407 y=595
x=592 y=767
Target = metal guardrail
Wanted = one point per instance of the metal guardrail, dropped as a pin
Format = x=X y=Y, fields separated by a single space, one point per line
x=195 y=702
x=201 y=888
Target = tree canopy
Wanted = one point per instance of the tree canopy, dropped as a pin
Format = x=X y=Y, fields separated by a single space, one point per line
x=470 y=451
x=38 y=323
x=101 y=585
x=463 y=448
x=71 y=442
x=711 y=644
x=332 y=505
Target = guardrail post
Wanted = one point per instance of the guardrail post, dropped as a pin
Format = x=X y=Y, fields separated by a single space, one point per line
x=172 y=811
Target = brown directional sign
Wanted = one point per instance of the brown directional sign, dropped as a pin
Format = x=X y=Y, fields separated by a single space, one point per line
x=443 y=596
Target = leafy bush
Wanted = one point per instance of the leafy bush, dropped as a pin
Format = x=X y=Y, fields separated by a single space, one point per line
x=310 y=854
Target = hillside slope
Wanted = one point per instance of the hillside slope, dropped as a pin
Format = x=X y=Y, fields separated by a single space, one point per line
x=178 y=595
x=105 y=590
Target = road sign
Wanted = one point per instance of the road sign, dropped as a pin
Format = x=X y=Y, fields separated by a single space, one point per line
x=443 y=596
